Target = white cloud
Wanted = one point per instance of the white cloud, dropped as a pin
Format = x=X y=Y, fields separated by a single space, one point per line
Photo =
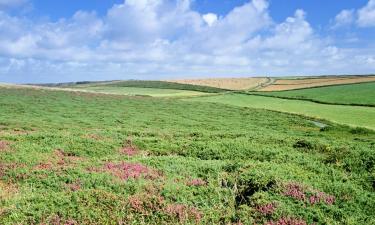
x=366 y=15
x=363 y=17
x=210 y=18
x=344 y=18
x=166 y=38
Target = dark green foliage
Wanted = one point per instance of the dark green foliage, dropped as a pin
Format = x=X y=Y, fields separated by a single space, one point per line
x=360 y=130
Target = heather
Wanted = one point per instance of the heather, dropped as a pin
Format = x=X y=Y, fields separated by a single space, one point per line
x=79 y=158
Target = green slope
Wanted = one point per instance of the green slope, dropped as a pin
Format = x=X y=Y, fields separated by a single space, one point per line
x=80 y=158
x=151 y=84
x=350 y=115
x=353 y=94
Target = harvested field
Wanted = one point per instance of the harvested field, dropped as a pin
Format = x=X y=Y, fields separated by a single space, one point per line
x=226 y=83
x=291 y=84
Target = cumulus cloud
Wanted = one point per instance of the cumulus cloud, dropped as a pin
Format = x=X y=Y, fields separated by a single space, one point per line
x=210 y=18
x=363 y=17
x=155 y=39
x=366 y=15
x=344 y=18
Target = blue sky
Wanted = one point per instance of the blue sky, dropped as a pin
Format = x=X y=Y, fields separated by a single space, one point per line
x=70 y=40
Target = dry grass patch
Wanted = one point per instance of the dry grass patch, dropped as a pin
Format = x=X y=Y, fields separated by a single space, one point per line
x=4 y=145
x=291 y=84
x=225 y=83
x=7 y=190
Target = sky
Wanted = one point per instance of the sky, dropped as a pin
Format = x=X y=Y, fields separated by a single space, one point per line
x=59 y=41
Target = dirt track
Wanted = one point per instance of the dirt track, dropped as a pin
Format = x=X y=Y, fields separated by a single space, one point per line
x=284 y=84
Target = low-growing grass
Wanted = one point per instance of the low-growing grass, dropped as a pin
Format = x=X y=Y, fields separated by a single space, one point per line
x=80 y=158
x=350 y=115
x=353 y=94
x=135 y=91
x=152 y=84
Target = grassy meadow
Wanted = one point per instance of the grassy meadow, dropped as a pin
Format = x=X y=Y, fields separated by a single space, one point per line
x=352 y=94
x=136 y=91
x=148 y=84
x=350 y=115
x=83 y=158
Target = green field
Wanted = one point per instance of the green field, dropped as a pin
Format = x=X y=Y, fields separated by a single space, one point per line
x=353 y=94
x=349 y=115
x=135 y=91
x=81 y=158
x=146 y=84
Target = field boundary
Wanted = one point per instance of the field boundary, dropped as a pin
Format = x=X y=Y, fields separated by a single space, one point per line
x=307 y=99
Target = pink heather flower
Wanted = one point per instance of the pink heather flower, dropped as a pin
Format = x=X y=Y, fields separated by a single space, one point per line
x=287 y=221
x=295 y=191
x=329 y=199
x=126 y=170
x=183 y=212
x=129 y=151
x=313 y=199
x=266 y=209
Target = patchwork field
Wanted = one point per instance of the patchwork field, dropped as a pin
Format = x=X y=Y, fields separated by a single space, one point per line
x=300 y=83
x=72 y=155
x=227 y=83
x=353 y=94
x=349 y=115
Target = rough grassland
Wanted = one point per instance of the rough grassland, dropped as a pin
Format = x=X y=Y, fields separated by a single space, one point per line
x=152 y=84
x=134 y=91
x=353 y=94
x=78 y=158
x=291 y=84
x=349 y=115
x=226 y=83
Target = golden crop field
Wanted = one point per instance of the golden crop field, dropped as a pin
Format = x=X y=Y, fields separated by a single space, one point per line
x=291 y=84
x=226 y=83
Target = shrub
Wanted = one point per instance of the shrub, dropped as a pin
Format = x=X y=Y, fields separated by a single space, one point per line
x=251 y=182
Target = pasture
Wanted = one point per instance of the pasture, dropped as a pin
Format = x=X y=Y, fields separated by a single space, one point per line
x=350 y=115
x=353 y=94
x=135 y=91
